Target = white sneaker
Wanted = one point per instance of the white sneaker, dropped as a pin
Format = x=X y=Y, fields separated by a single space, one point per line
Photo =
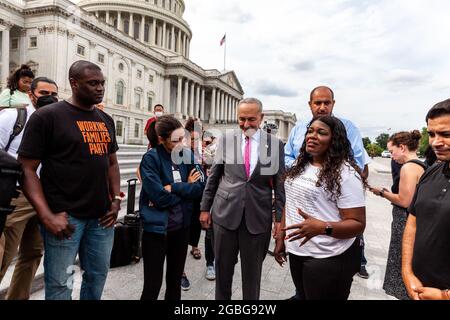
x=210 y=273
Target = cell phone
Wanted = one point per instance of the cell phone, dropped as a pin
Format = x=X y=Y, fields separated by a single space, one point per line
x=199 y=170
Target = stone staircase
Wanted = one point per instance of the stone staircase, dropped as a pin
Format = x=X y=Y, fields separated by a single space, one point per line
x=129 y=157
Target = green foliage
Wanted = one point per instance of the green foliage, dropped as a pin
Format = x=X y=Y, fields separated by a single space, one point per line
x=374 y=150
x=366 y=142
x=382 y=141
x=424 y=141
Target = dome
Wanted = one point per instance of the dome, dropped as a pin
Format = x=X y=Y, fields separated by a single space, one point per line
x=157 y=23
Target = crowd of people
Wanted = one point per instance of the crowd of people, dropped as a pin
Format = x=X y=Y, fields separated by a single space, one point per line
x=243 y=187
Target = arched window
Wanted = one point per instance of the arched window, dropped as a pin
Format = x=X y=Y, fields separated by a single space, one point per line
x=120 y=90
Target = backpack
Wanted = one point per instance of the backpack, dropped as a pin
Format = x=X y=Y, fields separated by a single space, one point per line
x=10 y=174
x=18 y=126
x=10 y=171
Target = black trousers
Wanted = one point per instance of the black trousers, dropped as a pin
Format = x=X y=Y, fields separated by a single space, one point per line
x=155 y=248
x=2 y=223
x=209 y=247
x=325 y=279
x=195 y=229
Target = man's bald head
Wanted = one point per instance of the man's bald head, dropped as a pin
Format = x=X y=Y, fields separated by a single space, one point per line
x=78 y=68
x=320 y=88
x=87 y=83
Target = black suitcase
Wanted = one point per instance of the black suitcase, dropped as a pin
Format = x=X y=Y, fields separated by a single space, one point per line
x=127 y=234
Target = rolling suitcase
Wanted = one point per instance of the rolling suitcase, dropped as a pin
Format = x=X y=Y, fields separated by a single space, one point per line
x=127 y=233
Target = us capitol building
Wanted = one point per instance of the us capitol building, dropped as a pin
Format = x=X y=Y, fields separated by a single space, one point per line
x=142 y=47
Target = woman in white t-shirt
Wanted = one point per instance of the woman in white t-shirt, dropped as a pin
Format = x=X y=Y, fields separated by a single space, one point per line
x=324 y=213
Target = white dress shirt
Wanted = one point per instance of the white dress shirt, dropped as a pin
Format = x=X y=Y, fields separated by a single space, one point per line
x=254 y=151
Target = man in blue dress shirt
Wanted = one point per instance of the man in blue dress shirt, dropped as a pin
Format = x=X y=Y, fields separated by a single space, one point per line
x=322 y=103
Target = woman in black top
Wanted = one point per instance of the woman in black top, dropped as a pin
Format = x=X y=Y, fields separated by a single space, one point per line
x=403 y=147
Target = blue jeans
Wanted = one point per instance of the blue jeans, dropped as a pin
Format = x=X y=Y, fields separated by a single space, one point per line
x=93 y=244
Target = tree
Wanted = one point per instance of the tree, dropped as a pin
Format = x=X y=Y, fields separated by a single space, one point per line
x=374 y=150
x=366 y=142
x=382 y=140
x=424 y=142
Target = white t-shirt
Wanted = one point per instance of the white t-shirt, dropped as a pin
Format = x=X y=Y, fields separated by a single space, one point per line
x=7 y=120
x=302 y=193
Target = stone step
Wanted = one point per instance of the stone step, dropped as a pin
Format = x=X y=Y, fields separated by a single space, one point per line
x=130 y=155
x=132 y=148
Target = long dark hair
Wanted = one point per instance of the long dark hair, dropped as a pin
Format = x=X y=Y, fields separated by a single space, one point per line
x=339 y=153
x=152 y=136
x=14 y=77
x=165 y=125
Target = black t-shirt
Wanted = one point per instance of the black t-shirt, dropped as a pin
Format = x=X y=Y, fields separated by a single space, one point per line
x=431 y=207
x=74 y=147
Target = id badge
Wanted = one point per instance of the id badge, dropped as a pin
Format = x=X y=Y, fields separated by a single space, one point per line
x=176 y=176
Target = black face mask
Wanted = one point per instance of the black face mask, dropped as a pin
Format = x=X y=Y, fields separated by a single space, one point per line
x=45 y=100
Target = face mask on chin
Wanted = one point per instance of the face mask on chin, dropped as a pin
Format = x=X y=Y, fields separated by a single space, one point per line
x=45 y=100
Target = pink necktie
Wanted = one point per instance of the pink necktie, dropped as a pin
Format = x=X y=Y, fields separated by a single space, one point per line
x=248 y=149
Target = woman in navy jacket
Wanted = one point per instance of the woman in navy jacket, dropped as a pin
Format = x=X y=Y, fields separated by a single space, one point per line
x=171 y=182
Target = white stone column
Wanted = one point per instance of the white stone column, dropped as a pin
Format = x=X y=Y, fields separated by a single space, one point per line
x=226 y=108
x=179 y=42
x=202 y=105
x=219 y=106
x=222 y=115
x=172 y=45
x=5 y=56
x=167 y=93
x=131 y=25
x=197 y=103
x=107 y=18
x=164 y=36
x=119 y=21
x=191 y=103
x=188 y=44
x=184 y=44
x=186 y=101
x=154 y=32
x=179 y=93
x=212 y=116
x=142 y=31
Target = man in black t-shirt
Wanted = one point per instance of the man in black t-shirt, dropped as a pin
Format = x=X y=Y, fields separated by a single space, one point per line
x=78 y=195
x=426 y=240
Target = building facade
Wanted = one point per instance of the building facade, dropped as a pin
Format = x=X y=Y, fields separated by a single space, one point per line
x=142 y=47
x=281 y=123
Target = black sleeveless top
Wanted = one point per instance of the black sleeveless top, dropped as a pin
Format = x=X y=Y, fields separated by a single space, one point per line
x=419 y=163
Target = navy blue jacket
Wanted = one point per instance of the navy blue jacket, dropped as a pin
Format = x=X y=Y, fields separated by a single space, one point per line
x=155 y=201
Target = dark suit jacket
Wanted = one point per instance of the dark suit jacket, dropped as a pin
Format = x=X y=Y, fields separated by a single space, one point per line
x=229 y=193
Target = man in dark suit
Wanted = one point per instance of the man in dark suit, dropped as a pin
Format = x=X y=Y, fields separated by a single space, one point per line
x=249 y=166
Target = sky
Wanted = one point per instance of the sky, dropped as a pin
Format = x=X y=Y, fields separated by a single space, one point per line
x=386 y=60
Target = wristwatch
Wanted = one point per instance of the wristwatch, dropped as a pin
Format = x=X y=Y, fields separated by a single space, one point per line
x=329 y=229
x=382 y=192
x=120 y=197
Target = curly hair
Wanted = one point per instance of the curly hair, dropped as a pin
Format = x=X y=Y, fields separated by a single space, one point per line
x=14 y=77
x=339 y=152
